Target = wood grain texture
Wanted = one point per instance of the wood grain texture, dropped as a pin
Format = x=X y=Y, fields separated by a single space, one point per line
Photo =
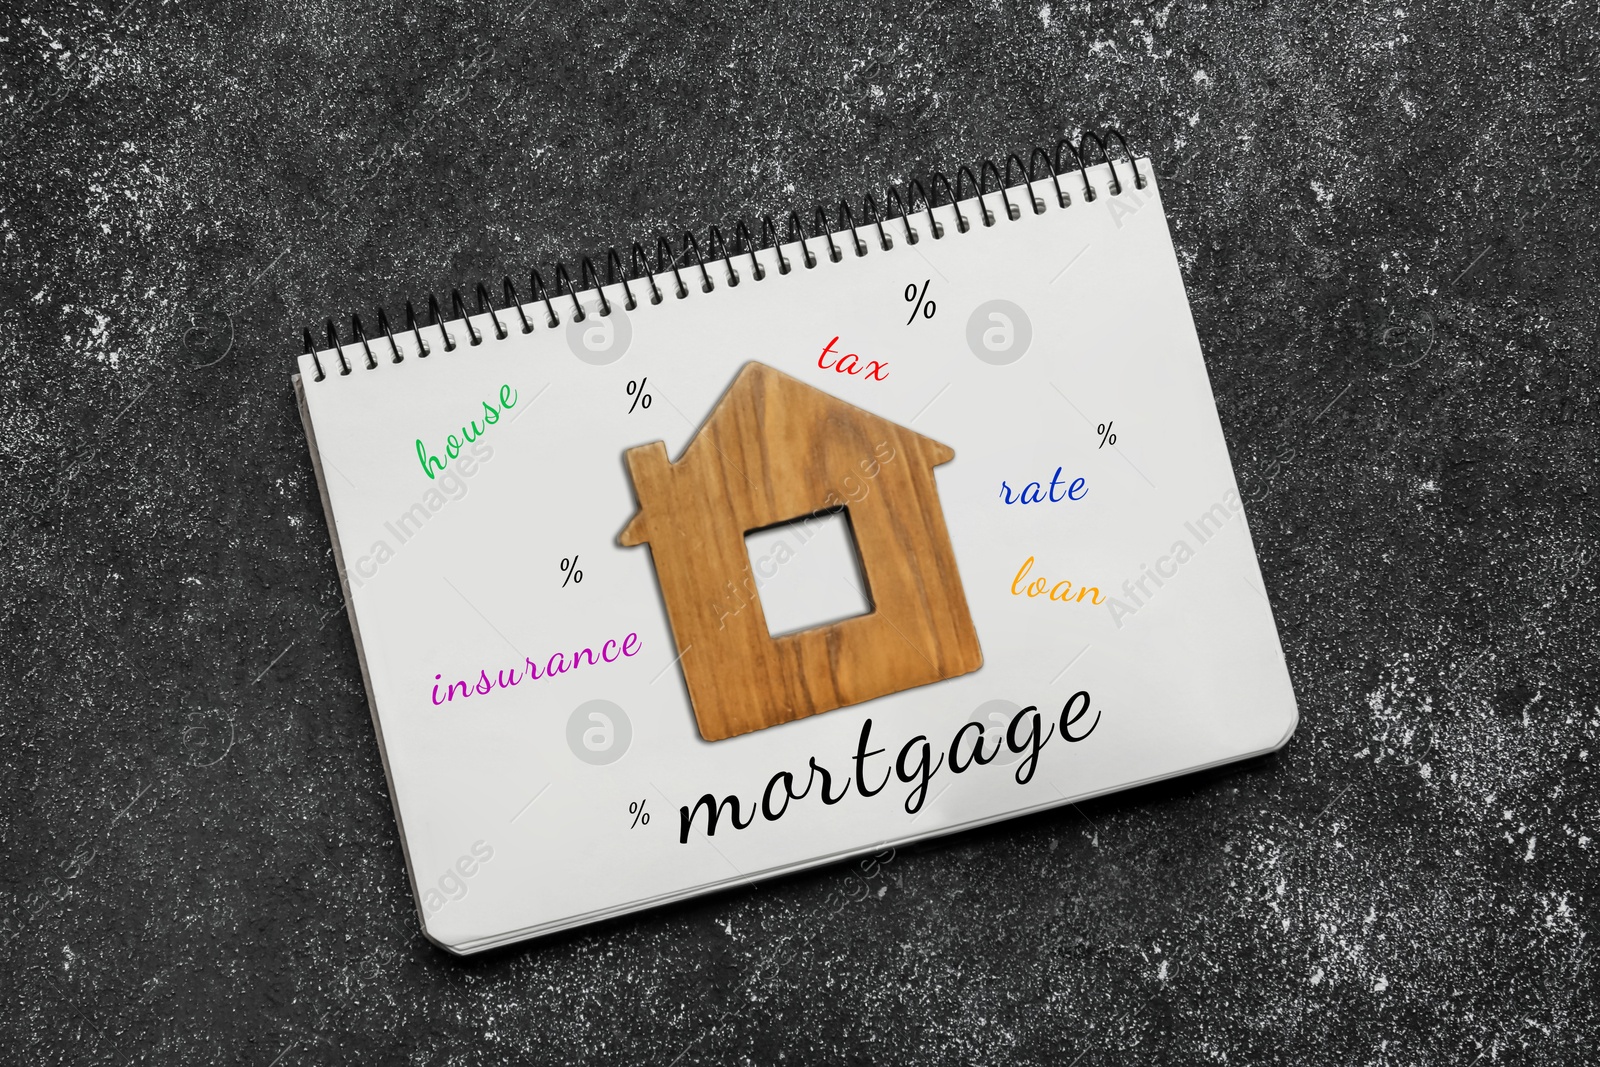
x=772 y=450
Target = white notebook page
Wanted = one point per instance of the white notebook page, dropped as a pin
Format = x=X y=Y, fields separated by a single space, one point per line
x=516 y=822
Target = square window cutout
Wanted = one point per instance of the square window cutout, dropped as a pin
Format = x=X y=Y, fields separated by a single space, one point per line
x=808 y=572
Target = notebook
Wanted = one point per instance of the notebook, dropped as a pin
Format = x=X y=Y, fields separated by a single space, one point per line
x=738 y=552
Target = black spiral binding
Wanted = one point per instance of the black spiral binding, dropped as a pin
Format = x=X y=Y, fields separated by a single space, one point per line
x=989 y=178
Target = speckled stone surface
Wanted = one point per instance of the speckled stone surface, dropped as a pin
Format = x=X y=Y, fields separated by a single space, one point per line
x=1386 y=217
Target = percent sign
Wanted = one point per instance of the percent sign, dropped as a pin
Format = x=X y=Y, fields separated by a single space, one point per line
x=1106 y=436
x=636 y=809
x=569 y=567
x=641 y=399
x=914 y=297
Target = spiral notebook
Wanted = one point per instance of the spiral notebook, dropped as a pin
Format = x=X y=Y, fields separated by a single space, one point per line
x=734 y=554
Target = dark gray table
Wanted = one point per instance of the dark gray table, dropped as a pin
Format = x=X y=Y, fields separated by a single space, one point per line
x=1386 y=218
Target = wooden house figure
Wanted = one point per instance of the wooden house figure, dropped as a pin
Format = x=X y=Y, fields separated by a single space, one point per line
x=772 y=450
